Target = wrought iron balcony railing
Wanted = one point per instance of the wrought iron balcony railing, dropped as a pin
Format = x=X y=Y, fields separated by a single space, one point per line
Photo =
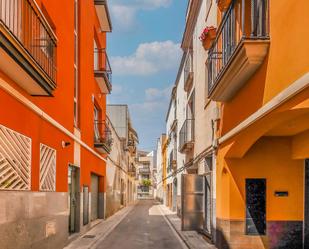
x=186 y=136
x=29 y=40
x=144 y=170
x=103 y=140
x=172 y=161
x=188 y=71
x=242 y=38
x=103 y=70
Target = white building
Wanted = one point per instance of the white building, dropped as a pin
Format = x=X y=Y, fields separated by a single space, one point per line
x=191 y=128
x=145 y=162
x=160 y=194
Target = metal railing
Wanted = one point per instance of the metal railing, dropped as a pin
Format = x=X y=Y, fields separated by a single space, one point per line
x=102 y=64
x=171 y=160
x=132 y=169
x=186 y=134
x=102 y=133
x=144 y=170
x=26 y=23
x=188 y=68
x=239 y=23
x=131 y=142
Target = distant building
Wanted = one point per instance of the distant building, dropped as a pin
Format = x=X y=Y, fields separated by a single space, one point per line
x=121 y=163
x=160 y=192
x=145 y=186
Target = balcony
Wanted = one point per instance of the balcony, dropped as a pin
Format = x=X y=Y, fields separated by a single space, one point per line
x=103 y=15
x=27 y=47
x=143 y=171
x=102 y=71
x=239 y=50
x=188 y=72
x=103 y=140
x=132 y=170
x=172 y=162
x=186 y=136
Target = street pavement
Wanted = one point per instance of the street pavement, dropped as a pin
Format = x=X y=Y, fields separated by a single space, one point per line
x=144 y=227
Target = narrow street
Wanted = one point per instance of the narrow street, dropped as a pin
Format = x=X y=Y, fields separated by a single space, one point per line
x=144 y=227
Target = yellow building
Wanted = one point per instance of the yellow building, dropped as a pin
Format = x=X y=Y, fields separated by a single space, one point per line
x=258 y=70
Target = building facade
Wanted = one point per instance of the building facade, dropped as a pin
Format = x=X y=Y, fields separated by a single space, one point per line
x=120 y=171
x=190 y=123
x=121 y=162
x=197 y=134
x=145 y=182
x=160 y=193
x=52 y=177
x=262 y=85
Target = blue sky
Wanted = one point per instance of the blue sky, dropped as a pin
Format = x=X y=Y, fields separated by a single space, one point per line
x=144 y=49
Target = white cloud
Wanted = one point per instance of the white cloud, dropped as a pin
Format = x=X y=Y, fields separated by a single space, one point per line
x=124 y=11
x=117 y=89
x=158 y=94
x=149 y=58
x=124 y=15
x=154 y=107
x=143 y=4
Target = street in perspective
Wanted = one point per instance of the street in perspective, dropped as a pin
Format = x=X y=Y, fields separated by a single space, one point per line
x=154 y=124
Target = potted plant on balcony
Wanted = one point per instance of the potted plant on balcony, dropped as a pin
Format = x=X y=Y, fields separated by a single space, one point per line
x=208 y=36
x=223 y=4
x=146 y=182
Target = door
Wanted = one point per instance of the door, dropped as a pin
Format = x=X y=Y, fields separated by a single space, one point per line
x=207 y=204
x=192 y=202
x=255 y=206
x=121 y=192
x=73 y=199
x=175 y=195
x=94 y=197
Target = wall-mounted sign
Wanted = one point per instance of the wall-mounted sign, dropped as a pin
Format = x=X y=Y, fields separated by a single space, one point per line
x=281 y=193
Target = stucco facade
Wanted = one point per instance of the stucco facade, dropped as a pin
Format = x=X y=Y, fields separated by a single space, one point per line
x=45 y=139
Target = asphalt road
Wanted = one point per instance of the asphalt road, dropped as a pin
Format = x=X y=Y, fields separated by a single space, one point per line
x=143 y=228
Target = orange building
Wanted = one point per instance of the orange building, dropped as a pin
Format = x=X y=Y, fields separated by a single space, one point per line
x=54 y=77
x=258 y=71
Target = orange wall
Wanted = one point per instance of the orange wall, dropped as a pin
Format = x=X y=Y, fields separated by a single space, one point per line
x=284 y=64
x=24 y=121
x=60 y=107
x=269 y=158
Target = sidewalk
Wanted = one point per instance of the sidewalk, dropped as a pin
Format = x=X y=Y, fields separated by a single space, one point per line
x=192 y=239
x=93 y=238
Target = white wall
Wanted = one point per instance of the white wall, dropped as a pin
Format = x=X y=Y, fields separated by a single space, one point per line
x=181 y=102
x=159 y=163
x=203 y=116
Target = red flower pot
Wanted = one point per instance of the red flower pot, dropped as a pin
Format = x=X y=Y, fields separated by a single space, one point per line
x=209 y=38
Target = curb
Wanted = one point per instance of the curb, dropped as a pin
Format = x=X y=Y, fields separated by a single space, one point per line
x=177 y=232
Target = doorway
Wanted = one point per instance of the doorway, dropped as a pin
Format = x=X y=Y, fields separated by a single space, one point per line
x=255 y=206
x=74 y=199
x=207 y=205
x=175 y=195
x=94 y=197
